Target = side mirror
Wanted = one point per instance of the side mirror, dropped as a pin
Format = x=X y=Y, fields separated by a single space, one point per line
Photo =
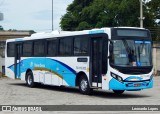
x=111 y=48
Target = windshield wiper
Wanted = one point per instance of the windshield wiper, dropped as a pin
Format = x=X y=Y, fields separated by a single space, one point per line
x=128 y=49
x=142 y=47
x=139 y=56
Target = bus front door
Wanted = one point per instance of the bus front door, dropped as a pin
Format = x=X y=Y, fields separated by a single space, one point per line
x=18 y=53
x=96 y=60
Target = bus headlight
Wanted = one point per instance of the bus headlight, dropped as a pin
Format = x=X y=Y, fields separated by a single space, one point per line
x=115 y=76
x=151 y=77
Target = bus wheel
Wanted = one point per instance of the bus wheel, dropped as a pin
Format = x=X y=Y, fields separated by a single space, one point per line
x=118 y=92
x=29 y=79
x=84 y=86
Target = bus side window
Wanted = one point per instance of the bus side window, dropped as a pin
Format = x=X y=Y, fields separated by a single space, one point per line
x=81 y=46
x=51 y=47
x=27 y=49
x=39 y=48
x=65 y=46
x=10 y=49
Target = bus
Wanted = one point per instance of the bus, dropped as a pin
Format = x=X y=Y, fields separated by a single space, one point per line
x=117 y=59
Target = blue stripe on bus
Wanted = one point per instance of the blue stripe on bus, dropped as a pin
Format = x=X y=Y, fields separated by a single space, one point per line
x=66 y=66
x=69 y=74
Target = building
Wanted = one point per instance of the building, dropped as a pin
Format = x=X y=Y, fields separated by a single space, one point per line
x=4 y=35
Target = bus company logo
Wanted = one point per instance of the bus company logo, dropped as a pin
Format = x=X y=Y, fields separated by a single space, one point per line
x=39 y=65
x=81 y=68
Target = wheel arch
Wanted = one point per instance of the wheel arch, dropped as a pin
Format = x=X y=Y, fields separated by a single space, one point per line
x=79 y=75
x=28 y=70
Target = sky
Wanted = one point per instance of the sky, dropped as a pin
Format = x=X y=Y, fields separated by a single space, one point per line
x=32 y=14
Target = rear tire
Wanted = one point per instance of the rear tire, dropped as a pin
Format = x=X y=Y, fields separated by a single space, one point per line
x=84 y=86
x=118 y=92
x=29 y=80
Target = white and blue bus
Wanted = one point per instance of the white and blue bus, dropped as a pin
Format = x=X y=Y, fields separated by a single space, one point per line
x=118 y=59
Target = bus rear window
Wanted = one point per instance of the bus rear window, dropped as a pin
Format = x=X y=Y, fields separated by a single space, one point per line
x=10 y=49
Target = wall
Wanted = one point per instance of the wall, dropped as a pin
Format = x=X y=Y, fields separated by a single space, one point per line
x=156 y=58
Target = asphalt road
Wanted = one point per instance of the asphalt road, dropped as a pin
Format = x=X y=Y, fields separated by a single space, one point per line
x=15 y=92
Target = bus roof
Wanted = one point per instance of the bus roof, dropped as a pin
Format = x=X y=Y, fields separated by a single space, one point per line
x=56 y=33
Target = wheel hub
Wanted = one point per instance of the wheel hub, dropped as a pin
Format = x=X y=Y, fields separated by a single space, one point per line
x=84 y=85
x=29 y=80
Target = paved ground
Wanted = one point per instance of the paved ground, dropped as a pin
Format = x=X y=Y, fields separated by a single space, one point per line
x=15 y=92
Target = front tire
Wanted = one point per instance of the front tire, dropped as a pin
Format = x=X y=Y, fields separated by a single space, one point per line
x=118 y=92
x=84 y=86
x=29 y=79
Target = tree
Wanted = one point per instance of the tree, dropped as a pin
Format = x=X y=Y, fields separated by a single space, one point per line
x=71 y=20
x=154 y=9
x=1 y=28
x=87 y=14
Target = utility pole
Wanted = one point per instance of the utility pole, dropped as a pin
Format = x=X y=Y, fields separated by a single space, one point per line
x=52 y=17
x=141 y=14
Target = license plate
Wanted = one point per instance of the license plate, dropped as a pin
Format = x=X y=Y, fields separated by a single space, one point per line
x=137 y=85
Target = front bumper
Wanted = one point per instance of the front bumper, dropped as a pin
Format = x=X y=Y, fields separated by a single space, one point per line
x=130 y=86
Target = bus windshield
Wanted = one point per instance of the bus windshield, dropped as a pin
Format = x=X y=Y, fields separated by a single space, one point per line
x=132 y=53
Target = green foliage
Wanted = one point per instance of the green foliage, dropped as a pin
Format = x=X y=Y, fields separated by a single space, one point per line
x=68 y=22
x=1 y=28
x=154 y=10
x=154 y=6
x=72 y=19
x=83 y=25
x=32 y=32
x=87 y=14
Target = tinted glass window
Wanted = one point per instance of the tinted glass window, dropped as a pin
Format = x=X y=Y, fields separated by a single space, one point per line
x=81 y=46
x=65 y=47
x=10 y=49
x=27 y=49
x=39 y=48
x=51 y=47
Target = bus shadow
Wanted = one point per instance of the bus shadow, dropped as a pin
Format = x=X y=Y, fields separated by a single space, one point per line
x=95 y=93
x=110 y=94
